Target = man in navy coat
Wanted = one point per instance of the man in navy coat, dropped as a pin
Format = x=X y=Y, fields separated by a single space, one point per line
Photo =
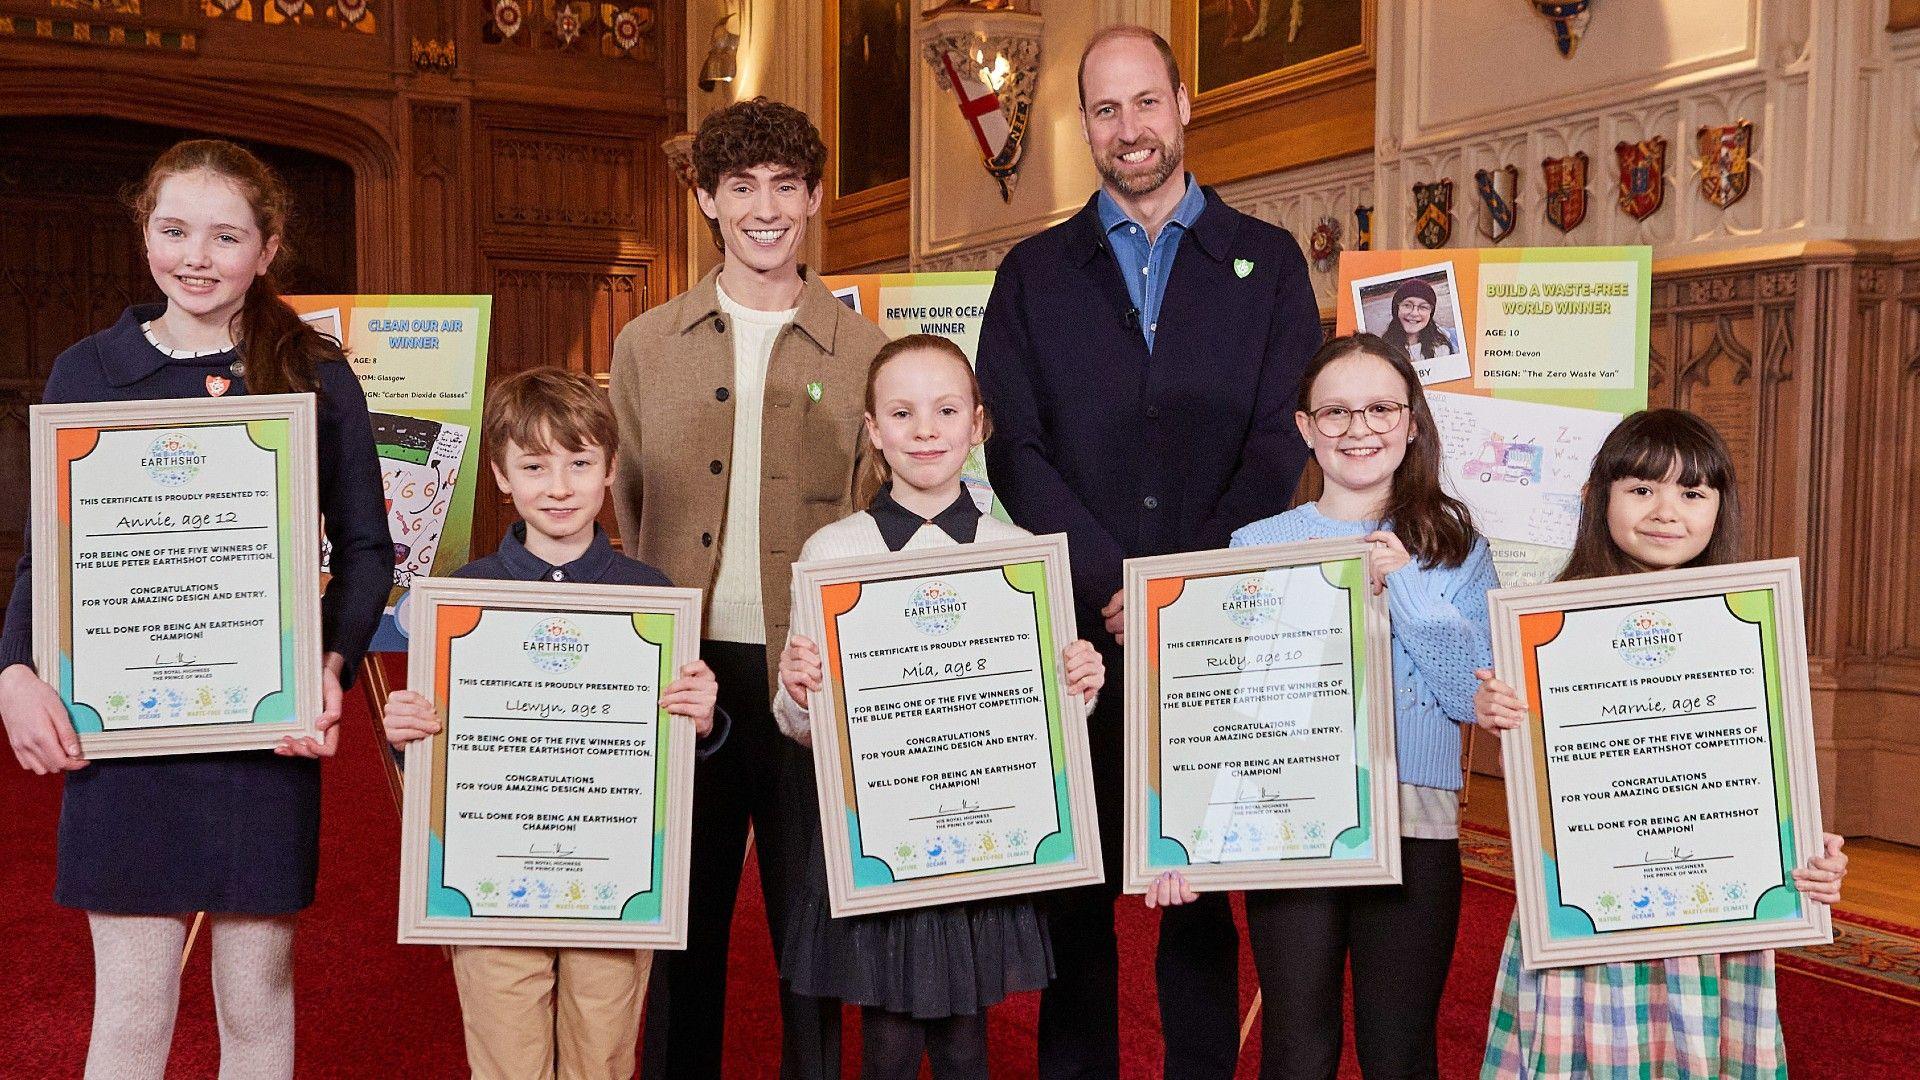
x=1140 y=362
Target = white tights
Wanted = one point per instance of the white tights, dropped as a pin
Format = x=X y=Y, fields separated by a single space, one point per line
x=136 y=992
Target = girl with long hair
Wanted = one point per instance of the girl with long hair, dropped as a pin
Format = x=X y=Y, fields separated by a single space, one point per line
x=1362 y=412
x=145 y=842
x=1661 y=495
x=1412 y=326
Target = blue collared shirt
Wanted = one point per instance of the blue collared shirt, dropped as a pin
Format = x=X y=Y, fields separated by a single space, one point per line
x=1145 y=265
x=1440 y=636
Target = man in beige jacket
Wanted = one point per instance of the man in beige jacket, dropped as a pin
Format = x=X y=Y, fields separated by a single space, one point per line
x=740 y=405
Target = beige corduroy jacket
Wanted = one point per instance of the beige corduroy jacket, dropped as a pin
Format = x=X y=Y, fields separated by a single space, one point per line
x=673 y=397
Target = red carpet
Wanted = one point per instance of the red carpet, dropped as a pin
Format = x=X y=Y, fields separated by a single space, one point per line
x=373 y=1009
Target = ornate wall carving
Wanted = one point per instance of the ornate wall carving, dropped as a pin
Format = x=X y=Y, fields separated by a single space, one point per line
x=984 y=257
x=561 y=313
x=613 y=31
x=442 y=231
x=574 y=182
x=1833 y=98
x=1809 y=364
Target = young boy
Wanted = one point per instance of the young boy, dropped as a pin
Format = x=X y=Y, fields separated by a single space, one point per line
x=537 y=1013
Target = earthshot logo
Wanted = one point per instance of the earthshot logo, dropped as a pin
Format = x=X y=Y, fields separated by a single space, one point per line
x=1251 y=602
x=173 y=459
x=554 y=645
x=1646 y=639
x=935 y=608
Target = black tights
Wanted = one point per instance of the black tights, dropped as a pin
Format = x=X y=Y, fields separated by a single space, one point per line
x=1400 y=941
x=892 y=1043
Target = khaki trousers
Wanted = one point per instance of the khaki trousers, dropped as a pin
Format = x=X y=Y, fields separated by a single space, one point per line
x=550 y=1014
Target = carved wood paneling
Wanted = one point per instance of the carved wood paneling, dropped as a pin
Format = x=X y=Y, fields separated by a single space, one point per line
x=574 y=29
x=1778 y=477
x=1716 y=380
x=1811 y=369
x=1721 y=344
x=442 y=221
x=564 y=314
x=352 y=16
x=1903 y=493
x=568 y=181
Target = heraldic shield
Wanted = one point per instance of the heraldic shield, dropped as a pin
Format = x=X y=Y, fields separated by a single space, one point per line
x=1433 y=213
x=1566 y=190
x=1643 y=171
x=1499 y=200
x=1724 y=177
x=1569 y=19
x=1323 y=246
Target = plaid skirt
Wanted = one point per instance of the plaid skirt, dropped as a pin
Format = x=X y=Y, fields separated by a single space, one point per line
x=1682 y=1018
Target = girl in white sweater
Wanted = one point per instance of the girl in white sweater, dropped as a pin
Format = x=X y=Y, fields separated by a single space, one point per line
x=923 y=977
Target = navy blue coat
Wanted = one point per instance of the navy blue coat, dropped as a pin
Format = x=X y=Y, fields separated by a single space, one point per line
x=236 y=832
x=1133 y=453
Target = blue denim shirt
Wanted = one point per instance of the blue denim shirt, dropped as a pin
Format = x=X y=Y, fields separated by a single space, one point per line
x=1440 y=636
x=1145 y=266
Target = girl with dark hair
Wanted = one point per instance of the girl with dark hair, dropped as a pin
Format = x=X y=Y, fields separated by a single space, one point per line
x=1661 y=495
x=923 y=977
x=1362 y=412
x=146 y=842
x=1656 y=444
x=1411 y=325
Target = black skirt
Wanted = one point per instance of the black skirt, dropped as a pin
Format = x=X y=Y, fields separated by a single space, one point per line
x=235 y=833
x=929 y=963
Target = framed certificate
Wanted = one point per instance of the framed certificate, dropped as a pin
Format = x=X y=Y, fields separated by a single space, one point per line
x=1663 y=787
x=176 y=576
x=952 y=761
x=1259 y=720
x=554 y=806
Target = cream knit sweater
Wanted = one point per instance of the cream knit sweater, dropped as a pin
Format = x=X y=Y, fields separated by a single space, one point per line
x=735 y=613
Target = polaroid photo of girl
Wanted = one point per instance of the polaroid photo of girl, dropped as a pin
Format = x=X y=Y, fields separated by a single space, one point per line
x=1418 y=310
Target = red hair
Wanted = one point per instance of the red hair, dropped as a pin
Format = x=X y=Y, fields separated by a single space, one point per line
x=279 y=351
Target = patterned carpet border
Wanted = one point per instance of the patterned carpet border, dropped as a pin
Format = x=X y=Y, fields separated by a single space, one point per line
x=1868 y=954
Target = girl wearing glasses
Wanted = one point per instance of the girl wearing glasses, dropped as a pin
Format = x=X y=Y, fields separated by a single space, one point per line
x=1411 y=326
x=1362 y=413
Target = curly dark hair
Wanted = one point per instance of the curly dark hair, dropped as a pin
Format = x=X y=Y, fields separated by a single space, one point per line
x=757 y=132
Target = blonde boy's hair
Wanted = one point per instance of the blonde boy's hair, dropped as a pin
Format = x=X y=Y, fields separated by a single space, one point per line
x=547 y=408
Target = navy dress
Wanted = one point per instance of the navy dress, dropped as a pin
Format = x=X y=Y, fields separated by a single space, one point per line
x=233 y=833
x=929 y=963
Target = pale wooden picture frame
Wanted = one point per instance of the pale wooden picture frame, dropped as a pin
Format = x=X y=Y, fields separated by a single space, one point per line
x=1379 y=771
x=423 y=800
x=1528 y=774
x=62 y=434
x=833 y=766
x=1313 y=110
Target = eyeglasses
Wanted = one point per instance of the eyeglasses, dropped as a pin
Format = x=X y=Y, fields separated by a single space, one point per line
x=1336 y=420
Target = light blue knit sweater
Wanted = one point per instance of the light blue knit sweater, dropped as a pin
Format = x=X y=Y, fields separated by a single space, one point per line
x=1439 y=637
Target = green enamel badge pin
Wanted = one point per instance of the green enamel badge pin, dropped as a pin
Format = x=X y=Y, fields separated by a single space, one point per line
x=813 y=391
x=1242 y=267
